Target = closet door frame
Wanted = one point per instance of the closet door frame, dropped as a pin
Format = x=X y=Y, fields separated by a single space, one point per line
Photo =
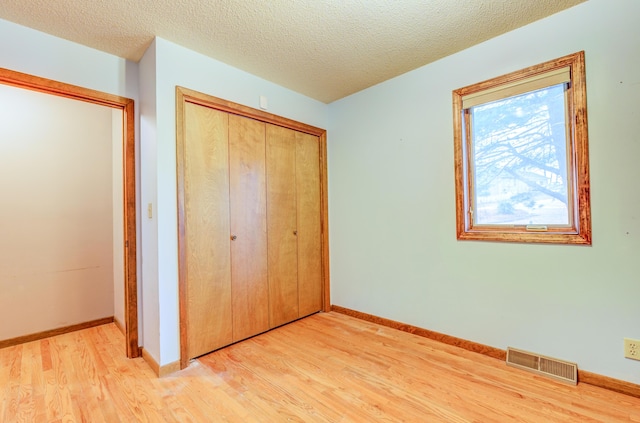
x=185 y=95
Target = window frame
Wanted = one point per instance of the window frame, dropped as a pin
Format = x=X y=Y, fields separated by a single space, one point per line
x=579 y=231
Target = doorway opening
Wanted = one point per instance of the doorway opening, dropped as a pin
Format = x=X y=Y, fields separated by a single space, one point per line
x=119 y=112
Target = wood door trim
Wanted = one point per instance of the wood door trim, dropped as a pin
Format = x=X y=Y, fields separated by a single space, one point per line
x=182 y=241
x=61 y=89
x=238 y=109
x=324 y=223
x=184 y=95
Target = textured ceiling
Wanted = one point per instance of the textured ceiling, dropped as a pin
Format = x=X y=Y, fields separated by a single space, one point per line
x=325 y=49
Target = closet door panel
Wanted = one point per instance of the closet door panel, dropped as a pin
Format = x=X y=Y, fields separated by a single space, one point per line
x=250 y=294
x=309 y=223
x=281 y=221
x=208 y=265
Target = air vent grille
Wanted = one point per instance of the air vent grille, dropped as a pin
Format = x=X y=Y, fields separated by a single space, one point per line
x=557 y=369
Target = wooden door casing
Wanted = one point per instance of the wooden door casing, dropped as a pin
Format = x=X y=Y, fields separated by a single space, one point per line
x=126 y=105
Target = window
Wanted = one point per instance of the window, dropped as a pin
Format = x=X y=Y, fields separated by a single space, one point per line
x=521 y=156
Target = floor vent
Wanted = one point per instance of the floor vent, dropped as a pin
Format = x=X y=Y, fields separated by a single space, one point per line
x=556 y=369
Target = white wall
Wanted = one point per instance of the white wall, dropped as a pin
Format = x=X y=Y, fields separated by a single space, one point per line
x=175 y=65
x=148 y=296
x=39 y=54
x=56 y=266
x=392 y=217
x=392 y=211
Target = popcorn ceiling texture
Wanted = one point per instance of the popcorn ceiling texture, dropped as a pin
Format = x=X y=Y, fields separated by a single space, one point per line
x=325 y=49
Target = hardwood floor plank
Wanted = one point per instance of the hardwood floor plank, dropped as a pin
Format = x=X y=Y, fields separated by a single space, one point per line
x=12 y=387
x=489 y=374
x=64 y=405
x=326 y=368
x=90 y=382
x=265 y=394
x=373 y=379
x=340 y=381
x=38 y=383
x=27 y=410
x=52 y=395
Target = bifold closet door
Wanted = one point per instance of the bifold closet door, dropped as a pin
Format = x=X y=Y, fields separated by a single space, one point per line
x=282 y=225
x=248 y=212
x=208 y=263
x=308 y=213
x=294 y=231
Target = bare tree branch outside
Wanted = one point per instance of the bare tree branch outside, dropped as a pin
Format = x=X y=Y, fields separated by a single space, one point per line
x=519 y=147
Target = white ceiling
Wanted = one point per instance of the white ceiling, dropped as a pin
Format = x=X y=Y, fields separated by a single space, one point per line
x=325 y=49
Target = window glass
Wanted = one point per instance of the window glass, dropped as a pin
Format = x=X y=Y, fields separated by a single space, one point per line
x=521 y=156
x=520 y=160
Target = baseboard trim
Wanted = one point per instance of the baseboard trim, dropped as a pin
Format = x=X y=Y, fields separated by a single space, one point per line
x=150 y=361
x=609 y=383
x=54 y=332
x=160 y=371
x=437 y=336
x=585 y=377
x=120 y=326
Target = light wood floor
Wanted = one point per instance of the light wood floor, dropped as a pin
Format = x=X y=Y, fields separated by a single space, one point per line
x=325 y=368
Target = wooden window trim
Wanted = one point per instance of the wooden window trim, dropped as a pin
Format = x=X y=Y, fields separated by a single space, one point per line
x=579 y=191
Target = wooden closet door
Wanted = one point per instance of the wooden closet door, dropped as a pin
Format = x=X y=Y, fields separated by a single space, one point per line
x=250 y=292
x=281 y=225
x=208 y=265
x=309 y=224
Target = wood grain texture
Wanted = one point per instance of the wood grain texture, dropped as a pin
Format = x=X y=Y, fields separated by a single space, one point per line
x=580 y=232
x=119 y=325
x=182 y=236
x=185 y=96
x=436 y=336
x=249 y=112
x=583 y=376
x=148 y=358
x=308 y=185
x=581 y=136
x=282 y=224
x=53 y=332
x=130 y=232
x=324 y=208
x=325 y=368
x=248 y=211
x=48 y=86
x=609 y=383
x=159 y=370
x=207 y=230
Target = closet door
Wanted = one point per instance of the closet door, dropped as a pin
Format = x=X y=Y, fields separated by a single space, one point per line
x=206 y=222
x=250 y=292
x=282 y=225
x=309 y=224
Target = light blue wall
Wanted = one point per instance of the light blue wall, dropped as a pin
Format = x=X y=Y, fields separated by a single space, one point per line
x=392 y=210
x=178 y=66
x=33 y=52
x=391 y=200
